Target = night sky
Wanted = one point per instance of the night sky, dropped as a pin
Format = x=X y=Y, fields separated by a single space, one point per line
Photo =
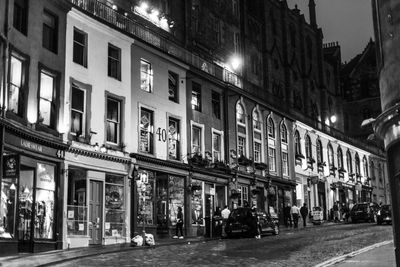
x=347 y=21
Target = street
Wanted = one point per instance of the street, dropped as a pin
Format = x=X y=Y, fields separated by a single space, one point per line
x=301 y=247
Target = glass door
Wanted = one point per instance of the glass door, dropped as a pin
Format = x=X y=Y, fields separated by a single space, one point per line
x=25 y=208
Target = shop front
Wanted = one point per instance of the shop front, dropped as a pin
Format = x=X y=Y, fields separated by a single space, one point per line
x=284 y=193
x=30 y=210
x=97 y=198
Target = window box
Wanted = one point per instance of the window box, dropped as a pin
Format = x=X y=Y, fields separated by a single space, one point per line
x=242 y=160
x=220 y=165
x=199 y=161
x=260 y=166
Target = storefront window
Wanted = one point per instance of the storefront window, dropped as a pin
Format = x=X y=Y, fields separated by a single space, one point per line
x=8 y=196
x=76 y=205
x=176 y=197
x=115 y=206
x=197 y=202
x=25 y=195
x=145 y=187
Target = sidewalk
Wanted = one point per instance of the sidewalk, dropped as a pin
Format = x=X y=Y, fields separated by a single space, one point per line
x=377 y=255
x=46 y=258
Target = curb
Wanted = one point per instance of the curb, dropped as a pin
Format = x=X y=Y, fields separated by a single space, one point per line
x=336 y=260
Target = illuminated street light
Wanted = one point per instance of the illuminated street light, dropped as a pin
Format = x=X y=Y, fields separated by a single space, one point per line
x=236 y=62
x=333 y=118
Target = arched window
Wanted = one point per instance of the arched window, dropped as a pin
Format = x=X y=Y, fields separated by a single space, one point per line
x=365 y=165
x=308 y=147
x=271 y=128
x=257 y=137
x=372 y=166
x=297 y=143
x=283 y=133
x=357 y=160
x=256 y=120
x=340 y=158
x=320 y=158
x=349 y=163
x=241 y=130
x=331 y=159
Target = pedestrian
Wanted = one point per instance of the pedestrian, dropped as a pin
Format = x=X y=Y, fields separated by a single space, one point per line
x=254 y=222
x=179 y=224
x=295 y=212
x=286 y=216
x=304 y=213
x=335 y=212
x=225 y=215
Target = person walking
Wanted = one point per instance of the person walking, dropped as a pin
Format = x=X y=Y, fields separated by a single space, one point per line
x=254 y=222
x=225 y=215
x=335 y=210
x=294 y=211
x=286 y=216
x=179 y=224
x=304 y=214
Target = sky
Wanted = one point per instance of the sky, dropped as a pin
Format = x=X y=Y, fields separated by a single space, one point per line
x=348 y=22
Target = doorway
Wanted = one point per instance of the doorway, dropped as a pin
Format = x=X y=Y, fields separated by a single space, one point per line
x=95 y=212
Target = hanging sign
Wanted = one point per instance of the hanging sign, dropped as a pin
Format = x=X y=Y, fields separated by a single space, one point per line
x=10 y=166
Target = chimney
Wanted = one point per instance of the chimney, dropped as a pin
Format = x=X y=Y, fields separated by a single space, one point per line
x=313 y=19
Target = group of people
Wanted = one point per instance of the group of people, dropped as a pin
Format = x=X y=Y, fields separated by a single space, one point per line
x=340 y=212
x=292 y=214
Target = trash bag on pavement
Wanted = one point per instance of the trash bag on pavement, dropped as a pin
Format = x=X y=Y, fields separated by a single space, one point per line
x=149 y=240
x=137 y=240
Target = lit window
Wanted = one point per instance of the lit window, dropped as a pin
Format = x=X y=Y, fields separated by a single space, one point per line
x=285 y=164
x=240 y=116
x=196 y=140
x=146 y=76
x=216 y=145
x=340 y=158
x=196 y=96
x=47 y=107
x=113 y=125
x=256 y=120
x=272 y=158
x=173 y=86
x=78 y=111
x=114 y=62
x=146 y=130
x=16 y=82
x=80 y=48
x=173 y=139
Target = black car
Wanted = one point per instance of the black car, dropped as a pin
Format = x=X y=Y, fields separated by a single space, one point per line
x=242 y=221
x=384 y=214
x=364 y=212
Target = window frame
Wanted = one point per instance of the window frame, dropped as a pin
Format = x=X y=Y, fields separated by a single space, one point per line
x=84 y=47
x=257 y=130
x=175 y=76
x=20 y=23
x=297 y=144
x=116 y=71
x=121 y=101
x=55 y=96
x=340 y=158
x=241 y=121
x=22 y=94
x=177 y=140
x=147 y=76
x=196 y=97
x=149 y=131
x=201 y=144
x=320 y=156
x=331 y=157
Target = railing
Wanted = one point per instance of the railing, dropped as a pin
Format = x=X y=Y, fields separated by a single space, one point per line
x=129 y=25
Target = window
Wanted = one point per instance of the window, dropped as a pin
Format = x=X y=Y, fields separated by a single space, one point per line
x=114 y=62
x=285 y=164
x=241 y=146
x=340 y=158
x=50 y=31
x=216 y=147
x=115 y=208
x=308 y=147
x=173 y=85
x=257 y=152
x=256 y=121
x=297 y=144
x=196 y=96
x=78 y=98
x=76 y=202
x=16 y=85
x=196 y=140
x=146 y=76
x=320 y=158
x=331 y=159
x=271 y=128
x=358 y=170
x=372 y=166
x=20 y=17
x=146 y=130
x=365 y=165
x=283 y=133
x=240 y=116
x=173 y=139
x=244 y=196
x=235 y=8
x=216 y=104
x=80 y=48
x=349 y=163
x=217 y=30
x=47 y=105
x=113 y=123
x=272 y=159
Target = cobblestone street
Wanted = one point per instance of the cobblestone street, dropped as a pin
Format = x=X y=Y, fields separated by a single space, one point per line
x=303 y=247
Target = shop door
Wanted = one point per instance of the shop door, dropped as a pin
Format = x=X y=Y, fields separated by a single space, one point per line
x=95 y=212
x=25 y=209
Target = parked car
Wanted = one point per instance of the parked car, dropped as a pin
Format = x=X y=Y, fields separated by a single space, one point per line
x=364 y=212
x=384 y=214
x=241 y=222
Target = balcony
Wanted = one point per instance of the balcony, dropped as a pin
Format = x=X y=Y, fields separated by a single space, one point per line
x=127 y=24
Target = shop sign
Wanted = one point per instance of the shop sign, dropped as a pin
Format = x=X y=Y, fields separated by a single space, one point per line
x=10 y=166
x=45 y=177
x=31 y=146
